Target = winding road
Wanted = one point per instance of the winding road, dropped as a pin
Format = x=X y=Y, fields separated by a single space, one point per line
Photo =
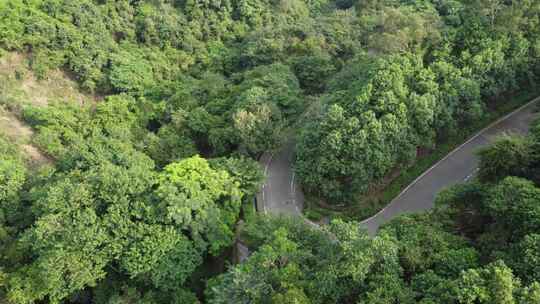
x=281 y=194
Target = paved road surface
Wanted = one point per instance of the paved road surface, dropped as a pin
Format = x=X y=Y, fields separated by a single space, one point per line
x=282 y=195
x=458 y=166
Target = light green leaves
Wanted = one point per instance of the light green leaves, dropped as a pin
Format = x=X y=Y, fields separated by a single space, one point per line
x=204 y=201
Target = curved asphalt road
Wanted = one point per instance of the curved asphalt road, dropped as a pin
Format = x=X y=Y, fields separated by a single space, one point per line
x=281 y=194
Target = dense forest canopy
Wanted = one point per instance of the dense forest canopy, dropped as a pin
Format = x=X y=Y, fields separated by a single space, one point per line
x=479 y=245
x=446 y=62
x=145 y=184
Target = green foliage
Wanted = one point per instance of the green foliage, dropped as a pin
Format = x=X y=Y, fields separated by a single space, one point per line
x=12 y=173
x=106 y=214
x=429 y=69
x=515 y=203
x=398 y=29
x=163 y=253
x=310 y=265
x=131 y=213
x=246 y=172
x=130 y=72
x=509 y=155
x=354 y=144
x=200 y=200
x=425 y=245
x=169 y=144
x=258 y=128
x=526 y=259
x=479 y=245
x=278 y=84
x=495 y=283
x=313 y=72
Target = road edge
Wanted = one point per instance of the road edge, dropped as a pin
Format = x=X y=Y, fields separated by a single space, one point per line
x=479 y=133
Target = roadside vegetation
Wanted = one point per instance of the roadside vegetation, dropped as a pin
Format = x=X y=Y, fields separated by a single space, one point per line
x=129 y=133
x=381 y=194
x=479 y=245
x=444 y=69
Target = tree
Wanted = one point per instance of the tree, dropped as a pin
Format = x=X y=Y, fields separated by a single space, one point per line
x=313 y=72
x=169 y=144
x=324 y=143
x=493 y=284
x=460 y=95
x=299 y=264
x=507 y=156
x=203 y=201
x=71 y=245
x=529 y=294
x=425 y=245
x=387 y=79
x=162 y=253
x=291 y=296
x=12 y=176
x=489 y=9
x=258 y=128
x=273 y=267
x=246 y=172
x=514 y=202
x=525 y=259
x=275 y=84
x=131 y=72
x=400 y=29
x=373 y=124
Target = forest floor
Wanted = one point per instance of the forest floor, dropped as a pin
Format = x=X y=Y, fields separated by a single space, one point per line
x=20 y=87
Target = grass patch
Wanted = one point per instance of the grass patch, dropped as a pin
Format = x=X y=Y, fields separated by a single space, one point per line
x=19 y=86
x=370 y=205
x=248 y=210
x=313 y=214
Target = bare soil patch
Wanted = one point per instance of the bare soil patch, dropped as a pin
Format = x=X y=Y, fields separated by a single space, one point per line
x=20 y=83
x=13 y=128
x=19 y=87
x=21 y=134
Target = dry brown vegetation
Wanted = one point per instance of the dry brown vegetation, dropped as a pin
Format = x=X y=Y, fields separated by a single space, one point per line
x=19 y=87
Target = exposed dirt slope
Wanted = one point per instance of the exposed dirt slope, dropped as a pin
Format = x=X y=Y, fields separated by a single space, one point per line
x=19 y=87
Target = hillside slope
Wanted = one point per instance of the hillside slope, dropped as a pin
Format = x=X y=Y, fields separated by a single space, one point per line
x=20 y=87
